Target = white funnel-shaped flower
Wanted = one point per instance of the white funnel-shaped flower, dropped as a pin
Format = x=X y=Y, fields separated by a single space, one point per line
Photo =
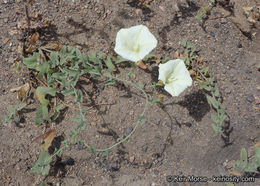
x=135 y=43
x=175 y=76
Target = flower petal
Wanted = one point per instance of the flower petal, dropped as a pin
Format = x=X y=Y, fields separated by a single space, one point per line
x=135 y=43
x=166 y=69
x=175 y=76
x=176 y=88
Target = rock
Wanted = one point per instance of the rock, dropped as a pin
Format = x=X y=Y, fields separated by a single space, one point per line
x=144 y=148
x=239 y=45
x=250 y=99
x=131 y=159
x=113 y=167
x=155 y=171
x=223 y=20
x=212 y=34
x=248 y=71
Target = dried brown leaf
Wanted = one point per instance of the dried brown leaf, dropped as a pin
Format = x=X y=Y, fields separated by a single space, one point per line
x=235 y=173
x=21 y=91
x=141 y=65
x=46 y=138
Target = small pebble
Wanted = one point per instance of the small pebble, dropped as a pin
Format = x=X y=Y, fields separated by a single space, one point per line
x=212 y=34
x=132 y=159
x=113 y=167
x=144 y=148
x=248 y=71
x=157 y=121
x=142 y=171
x=155 y=171
x=250 y=99
x=223 y=20
x=239 y=45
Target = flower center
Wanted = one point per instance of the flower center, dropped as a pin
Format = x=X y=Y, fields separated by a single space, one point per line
x=136 y=48
x=170 y=78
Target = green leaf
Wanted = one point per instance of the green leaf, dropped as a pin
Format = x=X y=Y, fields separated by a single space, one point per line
x=216 y=92
x=222 y=117
x=213 y=1
x=100 y=55
x=41 y=92
x=236 y=165
x=42 y=165
x=184 y=43
x=93 y=58
x=93 y=149
x=31 y=62
x=119 y=59
x=109 y=82
x=217 y=129
x=68 y=92
x=59 y=76
x=43 y=69
x=42 y=184
x=214 y=118
x=257 y=154
x=75 y=79
x=105 y=153
x=82 y=124
x=252 y=166
x=139 y=85
x=165 y=60
x=21 y=106
x=57 y=110
x=204 y=71
x=204 y=85
x=75 y=135
x=212 y=101
x=79 y=96
x=42 y=115
x=243 y=158
x=141 y=119
x=109 y=64
x=54 y=59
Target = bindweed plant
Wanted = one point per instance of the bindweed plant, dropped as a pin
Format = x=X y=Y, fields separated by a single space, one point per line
x=58 y=73
x=207 y=82
x=248 y=165
x=15 y=113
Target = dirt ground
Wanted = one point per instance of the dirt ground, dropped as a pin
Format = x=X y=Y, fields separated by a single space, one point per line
x=176 y=140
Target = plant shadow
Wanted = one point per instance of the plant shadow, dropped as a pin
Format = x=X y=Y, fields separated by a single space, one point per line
x=197 y=105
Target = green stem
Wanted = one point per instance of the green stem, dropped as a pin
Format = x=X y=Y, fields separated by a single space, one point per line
x=137 y=124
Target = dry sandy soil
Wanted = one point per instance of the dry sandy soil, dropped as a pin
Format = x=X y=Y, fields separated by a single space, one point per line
x=175 y=140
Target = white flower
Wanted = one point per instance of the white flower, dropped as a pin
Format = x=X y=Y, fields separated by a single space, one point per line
x=175 y=76
x=134 y=43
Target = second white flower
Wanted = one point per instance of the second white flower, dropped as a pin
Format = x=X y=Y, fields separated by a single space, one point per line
x=175 y=76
